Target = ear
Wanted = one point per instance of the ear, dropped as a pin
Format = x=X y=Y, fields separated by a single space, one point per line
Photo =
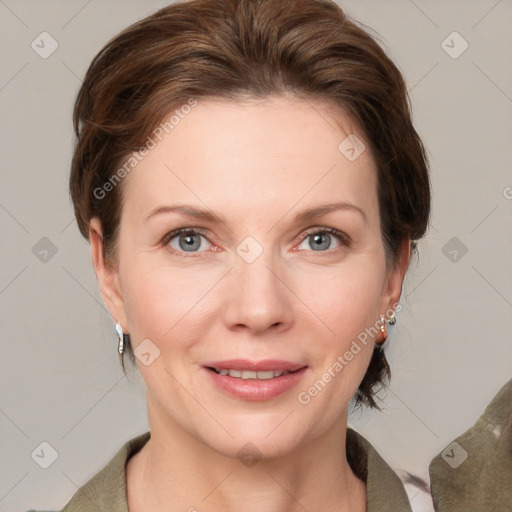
x=392 y=289
x=108 y=277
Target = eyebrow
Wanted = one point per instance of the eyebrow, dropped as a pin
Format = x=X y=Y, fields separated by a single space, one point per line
x=208 y=216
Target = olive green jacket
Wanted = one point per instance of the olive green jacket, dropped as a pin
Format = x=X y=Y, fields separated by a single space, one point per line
x=106 y=491
x=474 y=473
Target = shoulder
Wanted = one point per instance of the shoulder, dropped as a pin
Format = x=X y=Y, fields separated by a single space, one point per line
x=475 y=470
x=106 y=490
x=384 y=489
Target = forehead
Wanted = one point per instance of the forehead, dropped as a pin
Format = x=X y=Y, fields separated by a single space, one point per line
x=254 y=154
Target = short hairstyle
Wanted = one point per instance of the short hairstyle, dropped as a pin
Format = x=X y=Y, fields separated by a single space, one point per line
x=234 y=50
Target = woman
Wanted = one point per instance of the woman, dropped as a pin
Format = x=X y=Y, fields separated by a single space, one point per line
x=252 y=186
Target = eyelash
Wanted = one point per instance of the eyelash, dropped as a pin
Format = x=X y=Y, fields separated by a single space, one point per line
x=339 y=235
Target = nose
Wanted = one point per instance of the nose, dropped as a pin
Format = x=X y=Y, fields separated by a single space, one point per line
x=259 y=297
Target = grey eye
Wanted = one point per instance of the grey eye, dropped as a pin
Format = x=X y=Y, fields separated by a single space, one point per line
x=319 y=241
x=188 y=242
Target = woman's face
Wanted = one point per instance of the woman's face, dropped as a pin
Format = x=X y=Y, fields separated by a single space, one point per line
x=252 y=281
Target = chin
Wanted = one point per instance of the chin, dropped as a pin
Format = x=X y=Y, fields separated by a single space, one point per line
x=252 y=448
x=268 y=435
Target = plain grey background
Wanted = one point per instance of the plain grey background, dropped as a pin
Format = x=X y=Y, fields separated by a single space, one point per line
x=450 y=351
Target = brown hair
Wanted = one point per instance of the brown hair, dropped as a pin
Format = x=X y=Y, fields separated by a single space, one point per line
x=237 y=49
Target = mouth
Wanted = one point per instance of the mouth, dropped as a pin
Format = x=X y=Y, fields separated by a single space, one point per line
x=251 y=380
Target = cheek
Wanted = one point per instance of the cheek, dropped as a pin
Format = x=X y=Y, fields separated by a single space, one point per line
x=345 y=299
x=346 y=303
x=161 y=301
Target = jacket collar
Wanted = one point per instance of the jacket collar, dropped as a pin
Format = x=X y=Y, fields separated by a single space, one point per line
x=106 y=491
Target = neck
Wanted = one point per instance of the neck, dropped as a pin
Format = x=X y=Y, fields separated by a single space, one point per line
x=176 y=471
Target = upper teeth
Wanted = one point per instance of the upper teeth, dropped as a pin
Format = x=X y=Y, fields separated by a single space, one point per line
x=247 y=374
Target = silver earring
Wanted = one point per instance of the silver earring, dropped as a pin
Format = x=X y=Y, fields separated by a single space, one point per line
x=392 y=319
x=383 y=330
x=121 y=335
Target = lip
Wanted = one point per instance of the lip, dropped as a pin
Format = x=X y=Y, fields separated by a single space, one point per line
x=254 y=389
